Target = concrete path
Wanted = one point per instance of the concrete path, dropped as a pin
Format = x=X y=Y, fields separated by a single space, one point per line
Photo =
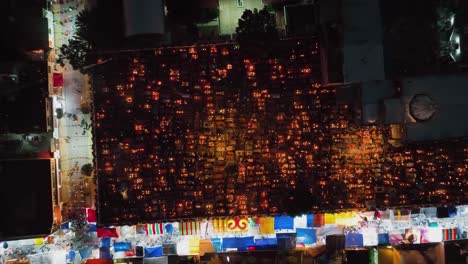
x=74 y=128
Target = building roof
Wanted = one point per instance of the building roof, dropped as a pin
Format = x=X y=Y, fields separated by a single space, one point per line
x=375 y=91
x=22 y=103
x=363 y=58
x=450 y=95
x=22 y=25
x=393 y=111
x=26 y=198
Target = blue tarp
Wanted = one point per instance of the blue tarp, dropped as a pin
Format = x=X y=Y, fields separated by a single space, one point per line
x=238 y=242
x=308 y=234
x=284 y=222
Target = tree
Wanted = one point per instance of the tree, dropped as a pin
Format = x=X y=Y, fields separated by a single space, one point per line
x=189 y=13
x=59 y=112
x=79 y=50
x=87 y=169
x=85 y=107
x=97 y=29
x=257 y=26
x=207 y=15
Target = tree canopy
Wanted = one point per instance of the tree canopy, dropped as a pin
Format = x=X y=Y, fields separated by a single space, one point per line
x=97 y=29
x=183 y=12
x=189 y=13
x=101 y=28
x=257 y=26
x=78 y=52
x=87 y=169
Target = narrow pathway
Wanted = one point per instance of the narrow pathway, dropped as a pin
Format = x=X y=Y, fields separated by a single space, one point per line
x=74 y=128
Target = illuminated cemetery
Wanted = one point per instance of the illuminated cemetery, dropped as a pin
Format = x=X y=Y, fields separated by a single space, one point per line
x=204 y=131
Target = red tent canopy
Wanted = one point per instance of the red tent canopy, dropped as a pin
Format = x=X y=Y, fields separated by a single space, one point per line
x=58 y=79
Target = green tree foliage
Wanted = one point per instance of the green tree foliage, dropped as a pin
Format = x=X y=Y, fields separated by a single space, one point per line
x=87 y=169
x=97 y=29
x=79 y=50
x=257 y=26
x=85 y=107
x=59 y=112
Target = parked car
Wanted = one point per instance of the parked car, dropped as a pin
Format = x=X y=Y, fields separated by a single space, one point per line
x=33 y=138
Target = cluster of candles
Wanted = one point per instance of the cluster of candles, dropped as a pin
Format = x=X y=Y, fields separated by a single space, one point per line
x=202 y=132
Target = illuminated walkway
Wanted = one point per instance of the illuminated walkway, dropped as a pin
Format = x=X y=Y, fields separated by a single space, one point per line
x=74 y=135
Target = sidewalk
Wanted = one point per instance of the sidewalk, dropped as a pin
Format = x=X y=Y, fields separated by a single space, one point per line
x=75 y=139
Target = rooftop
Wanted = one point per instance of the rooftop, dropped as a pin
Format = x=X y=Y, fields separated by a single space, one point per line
x=23 y=96
x=28 y=199
x=22 y=25
x=449 y=93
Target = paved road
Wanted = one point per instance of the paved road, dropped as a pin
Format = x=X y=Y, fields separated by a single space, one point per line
x=75 y=140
